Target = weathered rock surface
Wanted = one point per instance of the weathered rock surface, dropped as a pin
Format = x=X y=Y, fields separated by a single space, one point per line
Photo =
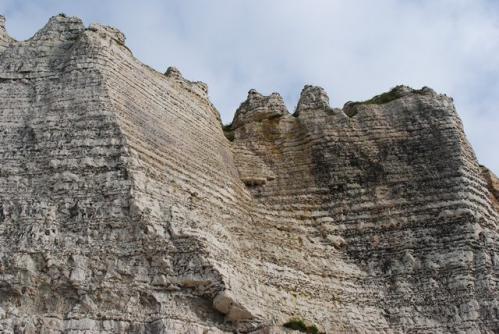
x=125 y=209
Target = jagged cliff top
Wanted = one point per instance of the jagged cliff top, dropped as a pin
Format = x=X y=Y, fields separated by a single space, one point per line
x=62 y=27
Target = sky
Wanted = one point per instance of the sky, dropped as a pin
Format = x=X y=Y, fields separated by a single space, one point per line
x=354 y=49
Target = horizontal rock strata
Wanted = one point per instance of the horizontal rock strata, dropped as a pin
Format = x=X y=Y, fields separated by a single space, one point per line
x=127 y=208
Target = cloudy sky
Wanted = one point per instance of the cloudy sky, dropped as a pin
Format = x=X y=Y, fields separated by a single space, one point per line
x=354 y=49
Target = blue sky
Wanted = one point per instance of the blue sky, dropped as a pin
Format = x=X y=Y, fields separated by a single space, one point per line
x=354 y=49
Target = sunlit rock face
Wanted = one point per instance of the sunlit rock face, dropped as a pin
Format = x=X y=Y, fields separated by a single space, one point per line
x=125 y=207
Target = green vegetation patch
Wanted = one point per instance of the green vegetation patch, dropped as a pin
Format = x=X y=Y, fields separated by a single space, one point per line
x=393 y=94
x=228 y=132
x=390 y=96
x=384 y=98
x=299 y=325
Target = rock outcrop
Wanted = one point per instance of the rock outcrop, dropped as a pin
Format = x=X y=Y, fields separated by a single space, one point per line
x=126 y=208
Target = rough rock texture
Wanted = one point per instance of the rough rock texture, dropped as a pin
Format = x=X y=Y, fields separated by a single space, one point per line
x=492 y=185
x=125 y=209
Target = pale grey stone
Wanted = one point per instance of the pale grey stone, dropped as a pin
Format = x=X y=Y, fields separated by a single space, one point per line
x=125 y=209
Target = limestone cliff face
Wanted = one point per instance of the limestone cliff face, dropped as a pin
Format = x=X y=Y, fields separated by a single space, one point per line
x=126 y=208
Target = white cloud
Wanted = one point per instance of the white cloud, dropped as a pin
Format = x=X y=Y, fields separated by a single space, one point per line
x=355 y=49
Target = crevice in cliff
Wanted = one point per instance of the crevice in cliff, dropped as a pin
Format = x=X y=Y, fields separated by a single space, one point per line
x=492 y=185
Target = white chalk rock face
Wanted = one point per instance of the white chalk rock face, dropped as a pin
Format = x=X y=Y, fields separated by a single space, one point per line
x=125 y=207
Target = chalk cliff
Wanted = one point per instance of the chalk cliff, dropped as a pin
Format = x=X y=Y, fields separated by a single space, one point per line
x=126 y=207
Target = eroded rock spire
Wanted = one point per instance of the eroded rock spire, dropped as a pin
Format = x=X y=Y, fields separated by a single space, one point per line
x=312 y=98
x=60 y=27
x=258 y=107
x=5 y=39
